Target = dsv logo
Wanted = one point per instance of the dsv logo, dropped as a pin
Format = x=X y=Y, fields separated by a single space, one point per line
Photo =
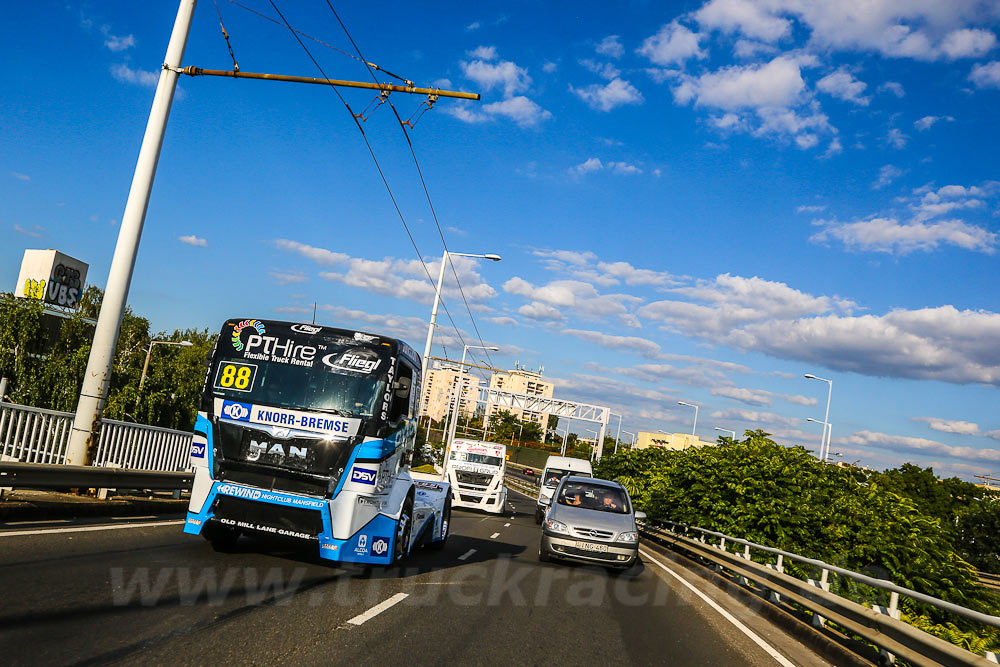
x=235 y=411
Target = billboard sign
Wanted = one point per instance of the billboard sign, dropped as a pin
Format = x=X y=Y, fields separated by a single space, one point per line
x=51 y=277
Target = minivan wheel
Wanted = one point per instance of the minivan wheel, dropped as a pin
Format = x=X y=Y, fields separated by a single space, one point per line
x=539 y=515
x=543 y=555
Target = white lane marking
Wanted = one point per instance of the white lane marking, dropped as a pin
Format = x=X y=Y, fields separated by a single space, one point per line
x=126 y=518
x=28 y=523
x=494 y=536
x=86 y=529
x=378 y=609
x=754 y=637
x=467 y=554
x=506 y=524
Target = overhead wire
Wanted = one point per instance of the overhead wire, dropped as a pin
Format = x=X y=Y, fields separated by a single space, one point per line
x=423 y=182
x=371 y=152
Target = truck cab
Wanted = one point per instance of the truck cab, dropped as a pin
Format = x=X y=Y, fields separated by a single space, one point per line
x=557 y=467
x=475 y=469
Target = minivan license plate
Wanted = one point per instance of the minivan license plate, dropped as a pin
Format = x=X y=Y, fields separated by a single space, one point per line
x=590 y=546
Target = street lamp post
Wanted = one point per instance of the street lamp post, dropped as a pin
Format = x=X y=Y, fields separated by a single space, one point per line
x=145 y=365
x=827 y=434
x=731 y=432
x=562 y=452
x=593 y=449
x=825 y=447
x=633 y=438
x=618 y=435
x=437 y=301
x=695 y=425
x=457 y=391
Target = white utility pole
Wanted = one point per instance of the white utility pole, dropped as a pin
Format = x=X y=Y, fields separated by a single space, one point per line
x=619 y=433
x=437 y=301
x=731 y=432
x=102 y=353
x=695 y=424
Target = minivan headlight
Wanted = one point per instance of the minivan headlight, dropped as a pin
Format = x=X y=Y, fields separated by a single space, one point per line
x=556 y=526
x=631 y=538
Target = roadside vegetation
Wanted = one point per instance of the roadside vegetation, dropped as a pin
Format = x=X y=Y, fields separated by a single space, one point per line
x=904 y=524
x=44 y=359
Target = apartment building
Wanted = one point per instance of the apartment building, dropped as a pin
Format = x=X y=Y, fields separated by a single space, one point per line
x=646 y=439
x=439 y=387
x=520 y=380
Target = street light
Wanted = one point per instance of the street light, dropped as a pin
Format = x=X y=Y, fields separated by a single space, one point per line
x=827 y=428
x=437 y=300
x=593 y=448
x=619 y=433
x=732 y=433
x=457 y=391
x=695 y=425
x=825 y=446
x=633 y=438
x=145 y=366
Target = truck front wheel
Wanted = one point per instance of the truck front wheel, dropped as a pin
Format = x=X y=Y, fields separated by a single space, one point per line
x=221 y=538
x=445 y=526
x=403 y=530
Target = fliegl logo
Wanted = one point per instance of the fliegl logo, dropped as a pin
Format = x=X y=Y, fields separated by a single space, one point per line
x=238 y=329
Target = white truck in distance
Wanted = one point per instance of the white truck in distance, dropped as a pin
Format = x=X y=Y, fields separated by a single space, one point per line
x=476 y=470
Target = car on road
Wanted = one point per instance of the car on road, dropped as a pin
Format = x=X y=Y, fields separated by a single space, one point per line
x=529 y=471
x=591 y=521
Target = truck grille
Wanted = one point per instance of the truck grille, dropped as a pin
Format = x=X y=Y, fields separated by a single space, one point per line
x=269 y=519
x=593 y=533
x=276 y=479
x=475 y=478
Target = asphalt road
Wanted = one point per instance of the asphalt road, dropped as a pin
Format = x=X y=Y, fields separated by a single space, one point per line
x=138 y=591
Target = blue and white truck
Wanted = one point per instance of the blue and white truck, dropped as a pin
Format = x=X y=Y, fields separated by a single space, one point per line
x=305 y=433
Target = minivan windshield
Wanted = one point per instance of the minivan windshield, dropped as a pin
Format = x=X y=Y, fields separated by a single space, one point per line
x=554 y=475
x=593 y=497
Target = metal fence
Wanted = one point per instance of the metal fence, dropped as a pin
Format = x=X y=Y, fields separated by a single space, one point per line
x=880 y=625
x=34 y=435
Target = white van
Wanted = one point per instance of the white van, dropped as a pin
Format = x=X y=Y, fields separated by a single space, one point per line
x=475 y=470
x=557 y=467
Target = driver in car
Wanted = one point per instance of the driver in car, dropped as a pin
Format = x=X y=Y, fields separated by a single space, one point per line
x=609 y=503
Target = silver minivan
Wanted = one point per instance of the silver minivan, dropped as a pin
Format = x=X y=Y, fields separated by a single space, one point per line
x=590 y=521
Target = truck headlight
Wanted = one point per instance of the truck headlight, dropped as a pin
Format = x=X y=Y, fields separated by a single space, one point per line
x=556 y=526
x=630 y=538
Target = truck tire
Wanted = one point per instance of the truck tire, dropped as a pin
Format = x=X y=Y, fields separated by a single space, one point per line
x=445 y=526
x=403 y=527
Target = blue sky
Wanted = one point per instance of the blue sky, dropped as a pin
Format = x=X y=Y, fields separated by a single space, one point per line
x=696 y=201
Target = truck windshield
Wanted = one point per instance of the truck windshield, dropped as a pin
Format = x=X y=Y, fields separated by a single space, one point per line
x=480 y=459
x=276 y=364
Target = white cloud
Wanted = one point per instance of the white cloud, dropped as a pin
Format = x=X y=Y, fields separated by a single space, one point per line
x=503 y=74
x=756 y=417
x=577 y=257
x=603 y=70
x=886 y=175
x=896 y=138
x=893 y=87
x=672 y=45
x=520 y=109
x=950 y=426
x=503 y=321
x=743 y=16
x=580 y=297
x=987 y=75
x=927 y=122
x=540 y=311
x=591 y=165
x=125 y=74
x=407 y=328
x=748 y=49
x=967 y=43
x=889 y=235
x=810 y=209
x=321 y=256
x=842 y=85
x=19 y=176
x=611 y=95
x=610 y=46
x=904 y=444
x=116 y=43
x=760 y=397
x=193 y=240
x=484 y=53
x=475 y=25
x=465 y=112
x=288 y=277
x=641 y=346
x=549 y=67
x=36 y=231
x=775 y=84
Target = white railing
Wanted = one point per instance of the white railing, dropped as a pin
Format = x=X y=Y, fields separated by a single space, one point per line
x=34 y=435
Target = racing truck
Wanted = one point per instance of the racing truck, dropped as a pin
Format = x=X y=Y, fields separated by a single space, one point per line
x=305 y=433
x=475 y=471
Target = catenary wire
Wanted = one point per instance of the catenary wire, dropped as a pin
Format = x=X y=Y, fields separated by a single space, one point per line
x=423 y=182
x=378 y=166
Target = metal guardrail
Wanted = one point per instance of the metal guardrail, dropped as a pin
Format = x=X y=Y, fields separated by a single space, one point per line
x=35 y=435
x=880 y=625
x=58 y=476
